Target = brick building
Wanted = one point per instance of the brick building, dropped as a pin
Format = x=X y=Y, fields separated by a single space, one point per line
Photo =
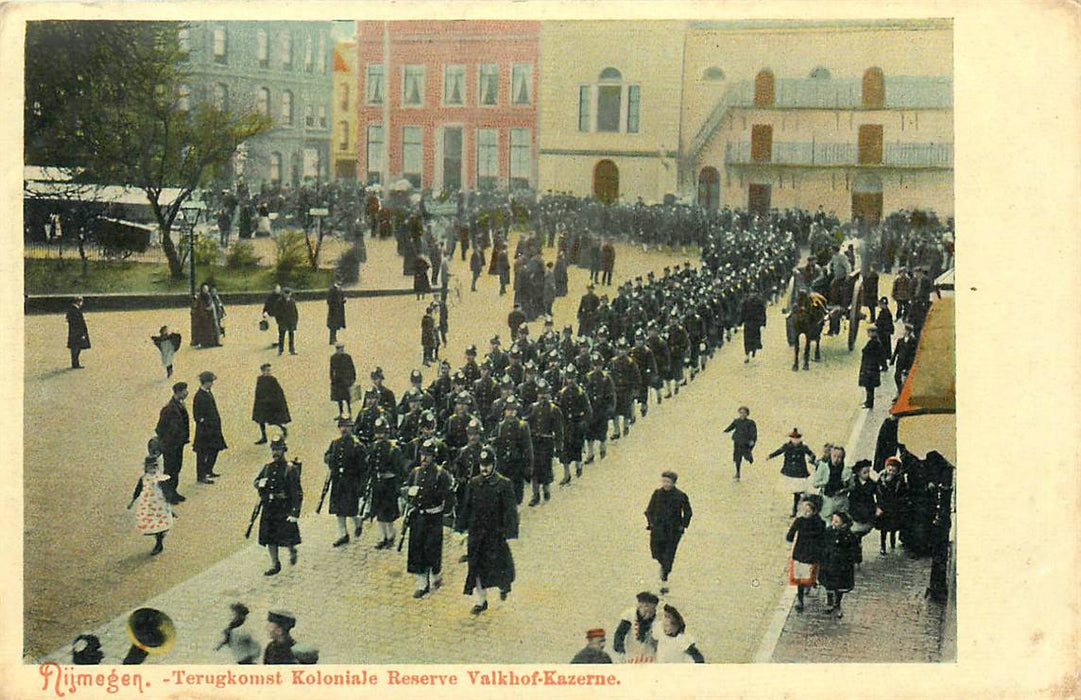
x=459 y=98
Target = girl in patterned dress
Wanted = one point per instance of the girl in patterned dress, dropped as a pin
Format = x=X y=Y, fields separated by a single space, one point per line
x=154 y=515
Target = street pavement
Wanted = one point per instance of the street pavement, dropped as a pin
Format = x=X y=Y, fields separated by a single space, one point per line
x=580 y=558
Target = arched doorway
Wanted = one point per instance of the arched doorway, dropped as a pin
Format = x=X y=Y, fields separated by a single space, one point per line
x=867 y=198
x=709 y=189
x=606 y=182
x=874 y=88
x=763 y=88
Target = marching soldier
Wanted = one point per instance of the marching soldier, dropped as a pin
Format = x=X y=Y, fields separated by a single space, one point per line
x=348 y=473
x=490 y=516
x=470 y=369
x=497 y=357
x=416 y=381
x=485 y=390
x=410 y=425
x=627 y=379
x=430 y=493
x=386 y=396
x=466 y=466
x=546 y=430
x=495 y=413
x=678 y=343
x=587 y=311
x=514 y=448
x=386 y=465
x=412 y=450
x=601 y=391
x=369 y=414
x=647 y=368
x=573 y=403
x=455 y=432
x=661 y=356
x=280 y=494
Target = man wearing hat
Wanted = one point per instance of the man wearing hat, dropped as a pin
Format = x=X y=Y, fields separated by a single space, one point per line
x=634 y=638
x=601 y=391
x=287 y=317
x=409 y=428
x=647 y=368
x=387 y=466
x=470 y=369
x=208 y=436
x=429 y=340
x=546 y=430
x=279 y=650
x=466 y=465
x=573 y=403
x=386 y=396
x=884 y=324
x=78 y=335
x=628 y=380
x=278 y=483
x=370 y=412
x=872 y=357
x=485 y=390
x=904 y=355
x=497 y=357
x=343 y=374
x=455 y=430
x=416 y=381
x=490 y=516
x=173 y=431
x=495 y=412
x=270 y=405
x=662 y=356
x=347 y=463
x=335 y=311
x=667 y=516
x=514 y=448
x=794 y=468
x=430 y=493
x=593 y=652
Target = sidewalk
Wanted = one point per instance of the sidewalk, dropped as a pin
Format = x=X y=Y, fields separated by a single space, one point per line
x=887 y=618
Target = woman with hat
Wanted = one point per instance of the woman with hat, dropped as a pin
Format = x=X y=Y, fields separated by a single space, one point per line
x=805 y=533
x=794 y=468
x=154 y=515
x=675 y=646
x=890 y=497
x=279 y=488
x=279 y=626
x=871 y=360
x=840 y=554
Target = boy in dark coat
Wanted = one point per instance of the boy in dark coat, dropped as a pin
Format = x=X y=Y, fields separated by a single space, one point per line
x=744 y=436
x=884 y=325
x=209 y=440
x=871 y=366
x=840 y=553
x=667 y=516
x=78 y=335
x=287 y=317
x=335 y=311
x=270 y=405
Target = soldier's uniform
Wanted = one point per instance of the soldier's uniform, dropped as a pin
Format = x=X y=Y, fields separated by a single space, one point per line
x=455 y=433
x=627 y=379
x=485 y=391
x=281 y=495
x=647 y=368
x=678 y=343
x=661 y=356
x=471 y=369
x=546 y=431
x=372 y=412
x=514 y=448
x=601 y=391
x=388 y=468
x=490 y=516
x=430 y=492
x=348 y=466
x=573 y=403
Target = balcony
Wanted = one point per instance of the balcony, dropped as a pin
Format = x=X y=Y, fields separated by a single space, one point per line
x=824 y=154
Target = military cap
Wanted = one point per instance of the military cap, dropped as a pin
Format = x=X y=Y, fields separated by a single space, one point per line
x=283 y=619
x=669 y=474
x=621 y=344
x=458 y=377
x=179 y=386
x=205 y=377
x=377 y=373
x=512 y=402
x=463 y=397
x=506 y=382
x=427 y=420
x=305 y=654
x=530 y=365
x=380 y=425
x=345 y=420
x=596 y=357
x=542 y=386
x=339 y=344
x=487 y=456
x=639 y=334
x=603 y=330
x=647 y=597
x=515 y=351
x=473 y=427
x=590 y=634
x=415 y=376
x=553 y=355
x=427 y=447
x=570 y=372
x=265 y=365
x=278 y=445
x=471 y=350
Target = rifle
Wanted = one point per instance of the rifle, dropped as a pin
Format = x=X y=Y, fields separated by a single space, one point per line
x=365 y=504
x=254 y=515
x=407 y=520
x=323 y=495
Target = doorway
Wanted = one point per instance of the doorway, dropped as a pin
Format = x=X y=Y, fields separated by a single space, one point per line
x=606 y=182
x=709 y=189
x=758 y=199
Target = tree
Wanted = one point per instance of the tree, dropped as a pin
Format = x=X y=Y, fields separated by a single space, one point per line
x=109 y=98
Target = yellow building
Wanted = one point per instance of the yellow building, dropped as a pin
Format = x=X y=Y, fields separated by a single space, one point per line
x=856 y=117
x=609 y=108
x=343 y=147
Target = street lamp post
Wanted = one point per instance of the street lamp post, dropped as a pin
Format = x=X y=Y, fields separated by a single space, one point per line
x=189 y=212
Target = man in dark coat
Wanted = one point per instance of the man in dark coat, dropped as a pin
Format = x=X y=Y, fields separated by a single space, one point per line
x=476 y=265
x=869 y=292
x=608 y=262
x=904 y=354
x=270 y=310
x=667 y=516
x=514 y=447
x=753 y=316
x=347 y=463
x=884 y=324
x=430 y=494
x=573 y=403
x=270 y=405
x=281 y=495
x=593 y=652
x=546 y=430
x=209 y=440
x=335 y=311
x=871 y=361
x=173 y=431
x=587 y=311
x=287 y=321
x=386 y=464
x=628 y=380
x=78 y=336
x=744 y=436
x=343 y=374
x=490 y=516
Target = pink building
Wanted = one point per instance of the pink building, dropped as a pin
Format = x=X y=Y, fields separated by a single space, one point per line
x=462 y=103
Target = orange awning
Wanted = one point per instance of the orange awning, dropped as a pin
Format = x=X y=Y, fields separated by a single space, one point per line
x=931 y=386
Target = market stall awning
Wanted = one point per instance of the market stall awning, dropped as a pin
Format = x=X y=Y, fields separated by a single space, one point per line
x=931 y=386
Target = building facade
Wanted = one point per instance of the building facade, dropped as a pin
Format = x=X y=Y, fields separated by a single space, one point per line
x=281 y=69
x=343 y=144
x=448 y=105
x=855 y=117
x=610 y=108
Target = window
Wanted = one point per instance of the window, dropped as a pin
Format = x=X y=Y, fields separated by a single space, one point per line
x=763 y=88
x=221 y=96
x=344 y=96
x=520 y=160
x=870 y=144
x=487 y=158
x=820 y=73
x=343 y=136
x=287 y=50
x=322 y=116
x=412 y=154
x=309 y=55
x=275 y=167
x=521 y=83
x=453 y=85
x=585 y=94
x=262 y=101
x=632 y=109
x=374 y=84
x=762 y=143
x=413 y=85
x=312 y=164
x=183 y=40
x=220 y=46
x=488 y=84
x=610 y=74
x=309 y=116
x=608 y=104
x=262 y=48
x=323 y=54
x=183 y=95
x=375 y=152
x=874 y=88
x=287 y=108
x=713 y=74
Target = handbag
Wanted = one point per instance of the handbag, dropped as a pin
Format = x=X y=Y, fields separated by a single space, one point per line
x=264 y=324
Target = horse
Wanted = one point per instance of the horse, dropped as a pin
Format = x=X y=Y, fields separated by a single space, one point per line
x=807 y=318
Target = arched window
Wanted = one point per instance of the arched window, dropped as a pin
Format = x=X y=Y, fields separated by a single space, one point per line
x=606 y=182
x=610 y=74
x=713 y=74
x=275 y=167
x=709 y=188
x=221 y=96
x=287 y=108
x=263 y=101
x=874 y=88
x=820 y=73
x=763 y=88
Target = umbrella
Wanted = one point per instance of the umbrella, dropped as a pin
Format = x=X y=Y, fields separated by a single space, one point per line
x=931 y=386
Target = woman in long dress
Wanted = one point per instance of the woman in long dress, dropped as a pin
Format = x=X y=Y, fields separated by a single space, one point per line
x=153 y=514
x=204 y=321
